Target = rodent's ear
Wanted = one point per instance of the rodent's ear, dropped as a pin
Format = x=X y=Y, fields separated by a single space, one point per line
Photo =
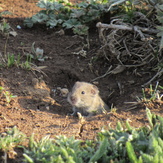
x=77 y=84
x=94 y=90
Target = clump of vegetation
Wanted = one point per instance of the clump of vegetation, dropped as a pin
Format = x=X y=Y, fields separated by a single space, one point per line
x=60 y=150
x=11 y=60
x=5 y=28
x=64 y=14
x=130 y=40
x=5 y=96
x=8 y=141
x=122 y=144
x=36 y=53
x=151 y=96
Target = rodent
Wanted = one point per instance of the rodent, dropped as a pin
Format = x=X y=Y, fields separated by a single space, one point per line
x=85 y=99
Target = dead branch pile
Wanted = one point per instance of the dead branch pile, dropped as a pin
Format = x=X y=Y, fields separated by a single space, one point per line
x=130 y=46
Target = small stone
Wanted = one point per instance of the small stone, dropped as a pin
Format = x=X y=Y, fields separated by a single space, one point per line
x=64 y=92
x=18 y=27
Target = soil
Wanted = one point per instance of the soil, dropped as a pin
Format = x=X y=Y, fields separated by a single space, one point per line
x=39 y=107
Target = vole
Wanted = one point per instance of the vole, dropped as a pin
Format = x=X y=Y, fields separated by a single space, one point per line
x=85 y=99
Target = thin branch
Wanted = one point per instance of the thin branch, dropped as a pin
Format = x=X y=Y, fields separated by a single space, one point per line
x=155 y=76
x=115 y=4
x=126 y=27
x=102 y=76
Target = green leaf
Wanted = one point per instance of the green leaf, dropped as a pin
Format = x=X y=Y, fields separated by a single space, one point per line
x=5 y=13
x=100 y=152
x=59 y=159
x=156 y=158
x=28 y=22
x=161 y=44
x=40 y=18
x=93 y=14
x=29 y=159
x=147 y=158
x=81 y=29
x=77 y=13
x=129 y=128
x=56 y=6
x=83 y=5
x=160 y=28
x=131 y=153
x=52 y=22
x=119 y=126
x=43 y=4
x=71 y=23
x=150 y=117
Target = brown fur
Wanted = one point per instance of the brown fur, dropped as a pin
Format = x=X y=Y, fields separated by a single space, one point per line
x=85 y=99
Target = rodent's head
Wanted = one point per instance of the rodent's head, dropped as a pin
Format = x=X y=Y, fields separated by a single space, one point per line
x=83 y=94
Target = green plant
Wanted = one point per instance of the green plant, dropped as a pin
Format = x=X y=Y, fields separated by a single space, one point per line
x=64 y=150
x=151 y=95
x=6 y=94
x=9 y=140
x=10 y=60
x=123 y=144
x=36 y=53
x=154 y=149
x=4 y=27
x=47 y=150
x=120 y=145
x=5 y=13
x=76 y=17
x=27 y=63
x=113 y=109
x=129 y=9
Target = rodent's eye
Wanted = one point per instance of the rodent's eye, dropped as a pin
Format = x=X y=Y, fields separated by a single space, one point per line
x=82 y=92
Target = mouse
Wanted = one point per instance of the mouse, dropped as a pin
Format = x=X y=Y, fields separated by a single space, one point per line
x=84 y=98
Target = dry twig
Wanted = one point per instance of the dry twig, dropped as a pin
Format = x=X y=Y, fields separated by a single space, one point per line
x=158 y=74
x=137 y=29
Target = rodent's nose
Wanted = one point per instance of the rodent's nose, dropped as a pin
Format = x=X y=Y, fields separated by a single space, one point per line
x=73 y=99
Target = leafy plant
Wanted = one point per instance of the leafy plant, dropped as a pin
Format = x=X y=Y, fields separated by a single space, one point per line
x=36 y=53
x=9 y=140
x=123 y=144
x=5 y=13
x=151 y=95
x=76 y=17
x=27 y=63
x=6 y=94
x=10 y=60
x=47 y=150
x=154 y=149
x=64 y=150
x=4 y=27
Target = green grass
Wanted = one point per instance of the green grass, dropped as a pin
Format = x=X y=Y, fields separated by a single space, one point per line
x=6 y=94
x=151 y=94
